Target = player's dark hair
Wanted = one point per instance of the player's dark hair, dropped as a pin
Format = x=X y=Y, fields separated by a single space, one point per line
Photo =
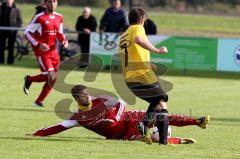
x=76 y=90
x=135 y=15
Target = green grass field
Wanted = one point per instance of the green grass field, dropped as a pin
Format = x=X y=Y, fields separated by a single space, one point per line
x=213 y=95
x=168 y=23
x=204 y=93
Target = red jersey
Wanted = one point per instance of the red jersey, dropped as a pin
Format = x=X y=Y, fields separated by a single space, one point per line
x=103 y=107
x=45 y=28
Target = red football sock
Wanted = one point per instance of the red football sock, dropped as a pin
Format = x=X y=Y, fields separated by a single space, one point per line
x=179 y=120
x=38 y=78
x=50 y=130
x=174 y=140
x=45 y=91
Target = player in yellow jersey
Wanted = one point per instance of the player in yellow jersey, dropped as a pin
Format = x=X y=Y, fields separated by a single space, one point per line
x=134 y=50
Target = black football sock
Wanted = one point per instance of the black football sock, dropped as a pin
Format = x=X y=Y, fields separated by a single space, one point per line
x=162 y=125
x=149 y=115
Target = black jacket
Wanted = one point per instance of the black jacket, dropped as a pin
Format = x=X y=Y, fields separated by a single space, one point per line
x=15 y=16
x=89 y=23
x=113 y=21
x=82 y=23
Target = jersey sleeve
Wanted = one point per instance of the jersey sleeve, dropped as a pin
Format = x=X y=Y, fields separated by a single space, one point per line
x=60 y=34
x=116 y=108
x=30 y=31
x=69 y=123
x=119 y=112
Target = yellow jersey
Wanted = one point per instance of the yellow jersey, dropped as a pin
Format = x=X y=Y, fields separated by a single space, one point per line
x=135 y=60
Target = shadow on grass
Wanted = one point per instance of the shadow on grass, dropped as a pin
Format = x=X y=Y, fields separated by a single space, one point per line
x=57 y=139
x=87 y=138
x=34 y=110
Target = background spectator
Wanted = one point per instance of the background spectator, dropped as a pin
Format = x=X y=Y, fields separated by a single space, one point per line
x=41 y=7
x=10 y=16
x=114 y=19
x=86 y=24
x=150 y=27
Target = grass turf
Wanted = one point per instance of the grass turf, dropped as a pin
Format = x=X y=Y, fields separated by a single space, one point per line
x=213 y=95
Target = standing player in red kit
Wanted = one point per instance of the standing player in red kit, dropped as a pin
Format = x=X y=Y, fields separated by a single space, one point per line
x=106 y=116
x=43 y=32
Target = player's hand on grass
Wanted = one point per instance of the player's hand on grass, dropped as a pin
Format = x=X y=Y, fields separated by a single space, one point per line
x=44 y=47
x=162 y=50
x=107 y=121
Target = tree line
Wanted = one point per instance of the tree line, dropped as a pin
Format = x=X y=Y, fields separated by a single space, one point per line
x=149 y=3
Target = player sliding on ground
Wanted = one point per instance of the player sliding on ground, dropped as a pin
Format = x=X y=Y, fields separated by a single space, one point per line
x=42 y=32
x=134 y=50
x=106 y=116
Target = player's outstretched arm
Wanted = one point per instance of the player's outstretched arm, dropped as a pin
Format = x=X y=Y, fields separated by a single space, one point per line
x=148 y=46
x=52 y=130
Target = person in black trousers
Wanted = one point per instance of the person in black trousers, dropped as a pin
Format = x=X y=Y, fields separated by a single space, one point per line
x=86 y=24
x=10 y=16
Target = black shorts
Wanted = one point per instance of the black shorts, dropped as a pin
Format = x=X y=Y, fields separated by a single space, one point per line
x=148 y=92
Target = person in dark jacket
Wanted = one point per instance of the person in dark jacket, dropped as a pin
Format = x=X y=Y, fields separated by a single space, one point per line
x=10 y=16
x=114 y=19
x=41 y=7
x=150 y=27
x=86 y=24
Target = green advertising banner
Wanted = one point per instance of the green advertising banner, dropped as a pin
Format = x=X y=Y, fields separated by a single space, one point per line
x=189 y=53
x=184 y=52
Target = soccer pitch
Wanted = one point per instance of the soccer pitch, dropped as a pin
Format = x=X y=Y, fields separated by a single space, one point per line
x=211 y=95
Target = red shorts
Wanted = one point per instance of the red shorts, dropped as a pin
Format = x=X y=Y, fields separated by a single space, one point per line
x=133 y=118
x=49 y=61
